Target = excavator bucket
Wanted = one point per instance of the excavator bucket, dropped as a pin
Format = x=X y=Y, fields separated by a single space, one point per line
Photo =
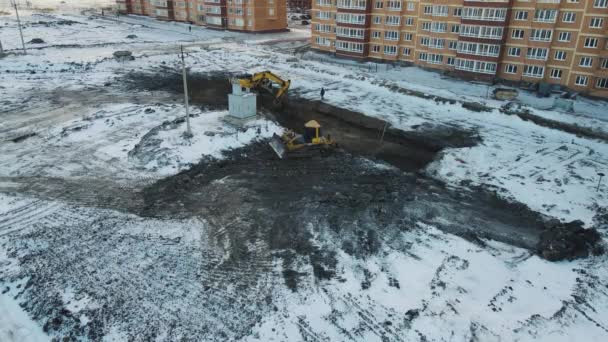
x=278 y=146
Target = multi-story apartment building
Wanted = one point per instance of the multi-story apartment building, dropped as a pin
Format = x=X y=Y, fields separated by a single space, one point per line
x=238 y=15
x=561 y=42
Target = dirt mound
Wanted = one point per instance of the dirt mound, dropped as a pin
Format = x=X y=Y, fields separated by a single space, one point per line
x=567 y=241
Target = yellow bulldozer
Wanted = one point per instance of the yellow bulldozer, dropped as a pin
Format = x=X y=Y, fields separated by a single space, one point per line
x=264 y=81
x=312 y=138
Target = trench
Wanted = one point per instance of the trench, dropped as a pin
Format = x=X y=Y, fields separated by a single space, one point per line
x=355 y=132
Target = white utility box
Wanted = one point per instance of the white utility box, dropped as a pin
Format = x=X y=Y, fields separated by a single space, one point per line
x=241 y=104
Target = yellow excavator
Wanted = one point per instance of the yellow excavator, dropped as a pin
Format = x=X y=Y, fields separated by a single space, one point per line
x=290 y=141
x=264 y=80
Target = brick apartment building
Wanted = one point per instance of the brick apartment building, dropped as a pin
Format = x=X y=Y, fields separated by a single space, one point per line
x=238 y=15
x=561 y=42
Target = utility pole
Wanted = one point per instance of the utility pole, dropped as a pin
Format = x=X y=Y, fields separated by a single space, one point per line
x=14 y=3
x=188 y=131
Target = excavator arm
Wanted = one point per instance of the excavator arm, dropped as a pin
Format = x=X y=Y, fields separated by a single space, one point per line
x=258 y=79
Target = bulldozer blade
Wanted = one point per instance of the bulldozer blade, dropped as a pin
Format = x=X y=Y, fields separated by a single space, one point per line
x=278 y=146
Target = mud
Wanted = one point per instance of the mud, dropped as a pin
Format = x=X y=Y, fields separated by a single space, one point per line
x=312 y=207
x=358 y=199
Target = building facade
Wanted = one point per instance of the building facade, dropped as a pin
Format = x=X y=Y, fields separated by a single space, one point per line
x=560 y=42
x=237 y=15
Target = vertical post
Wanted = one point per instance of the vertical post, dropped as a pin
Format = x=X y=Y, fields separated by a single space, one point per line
x=14 y=2
x=383 y=131
x=188 y=131
x=599 y=181
x=1 y=49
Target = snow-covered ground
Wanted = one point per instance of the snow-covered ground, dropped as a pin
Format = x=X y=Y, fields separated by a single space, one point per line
x=440 y=288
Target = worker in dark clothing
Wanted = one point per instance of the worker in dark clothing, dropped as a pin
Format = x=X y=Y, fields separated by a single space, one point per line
x=322 y=93
x=190 y=28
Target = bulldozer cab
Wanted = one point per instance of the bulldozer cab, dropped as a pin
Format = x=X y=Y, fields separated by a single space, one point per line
x=312 y=131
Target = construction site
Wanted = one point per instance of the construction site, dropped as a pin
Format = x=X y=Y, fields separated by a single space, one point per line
x=160 y=182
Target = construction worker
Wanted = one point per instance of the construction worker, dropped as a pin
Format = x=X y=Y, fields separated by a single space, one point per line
x=322 y=93
x=190 y=28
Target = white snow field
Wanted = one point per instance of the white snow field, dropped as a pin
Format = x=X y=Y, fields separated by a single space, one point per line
x=65 y=119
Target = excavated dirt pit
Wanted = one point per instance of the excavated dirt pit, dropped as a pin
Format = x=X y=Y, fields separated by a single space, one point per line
x=355 y=132
x=312 y=207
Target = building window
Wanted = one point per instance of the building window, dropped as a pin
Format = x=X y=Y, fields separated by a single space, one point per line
x=422 y=56
x=556 y=73
x=437 y=43
x=517 y=34
x=458 y=12
x=511 y=69
x=406 y=51
x=434 y=58
x=521 y=15
x=545 y=15
x=476 y=66
x=407 y=37
x=451 y=61
x=411 y=6
x=393 y=6
x=534 y=71
x=604 y=63
x=409 y=21
x=478 y=49
x=376 y=48
x=601 y=83
x=514 y=51
x=537 y=53
x=482 y=13
x=600 y=3
x=379 y=4
x=377 y=20
x=349 y=46
x=428 y=10
x=596 y=22
x=426 y=26
x=376 y=34
x=455 y=28
x=390 y=50
x=477 y=31
x=560 y=55
x=569 y=17
x=393 y=20
x=319 y=40
x=586 y=62
x=424 y=41
x=351 y=4
x=439 y=27
x=271 y=11
x=564 y=36
x=440 y=10
x=349 y=32
x=591 y=42
x=391 y=35
x=581 y=80
x=350 y=18
x=541 y=35
x=453 y=44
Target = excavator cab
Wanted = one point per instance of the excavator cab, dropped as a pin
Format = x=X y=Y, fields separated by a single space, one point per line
x=312 y=131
